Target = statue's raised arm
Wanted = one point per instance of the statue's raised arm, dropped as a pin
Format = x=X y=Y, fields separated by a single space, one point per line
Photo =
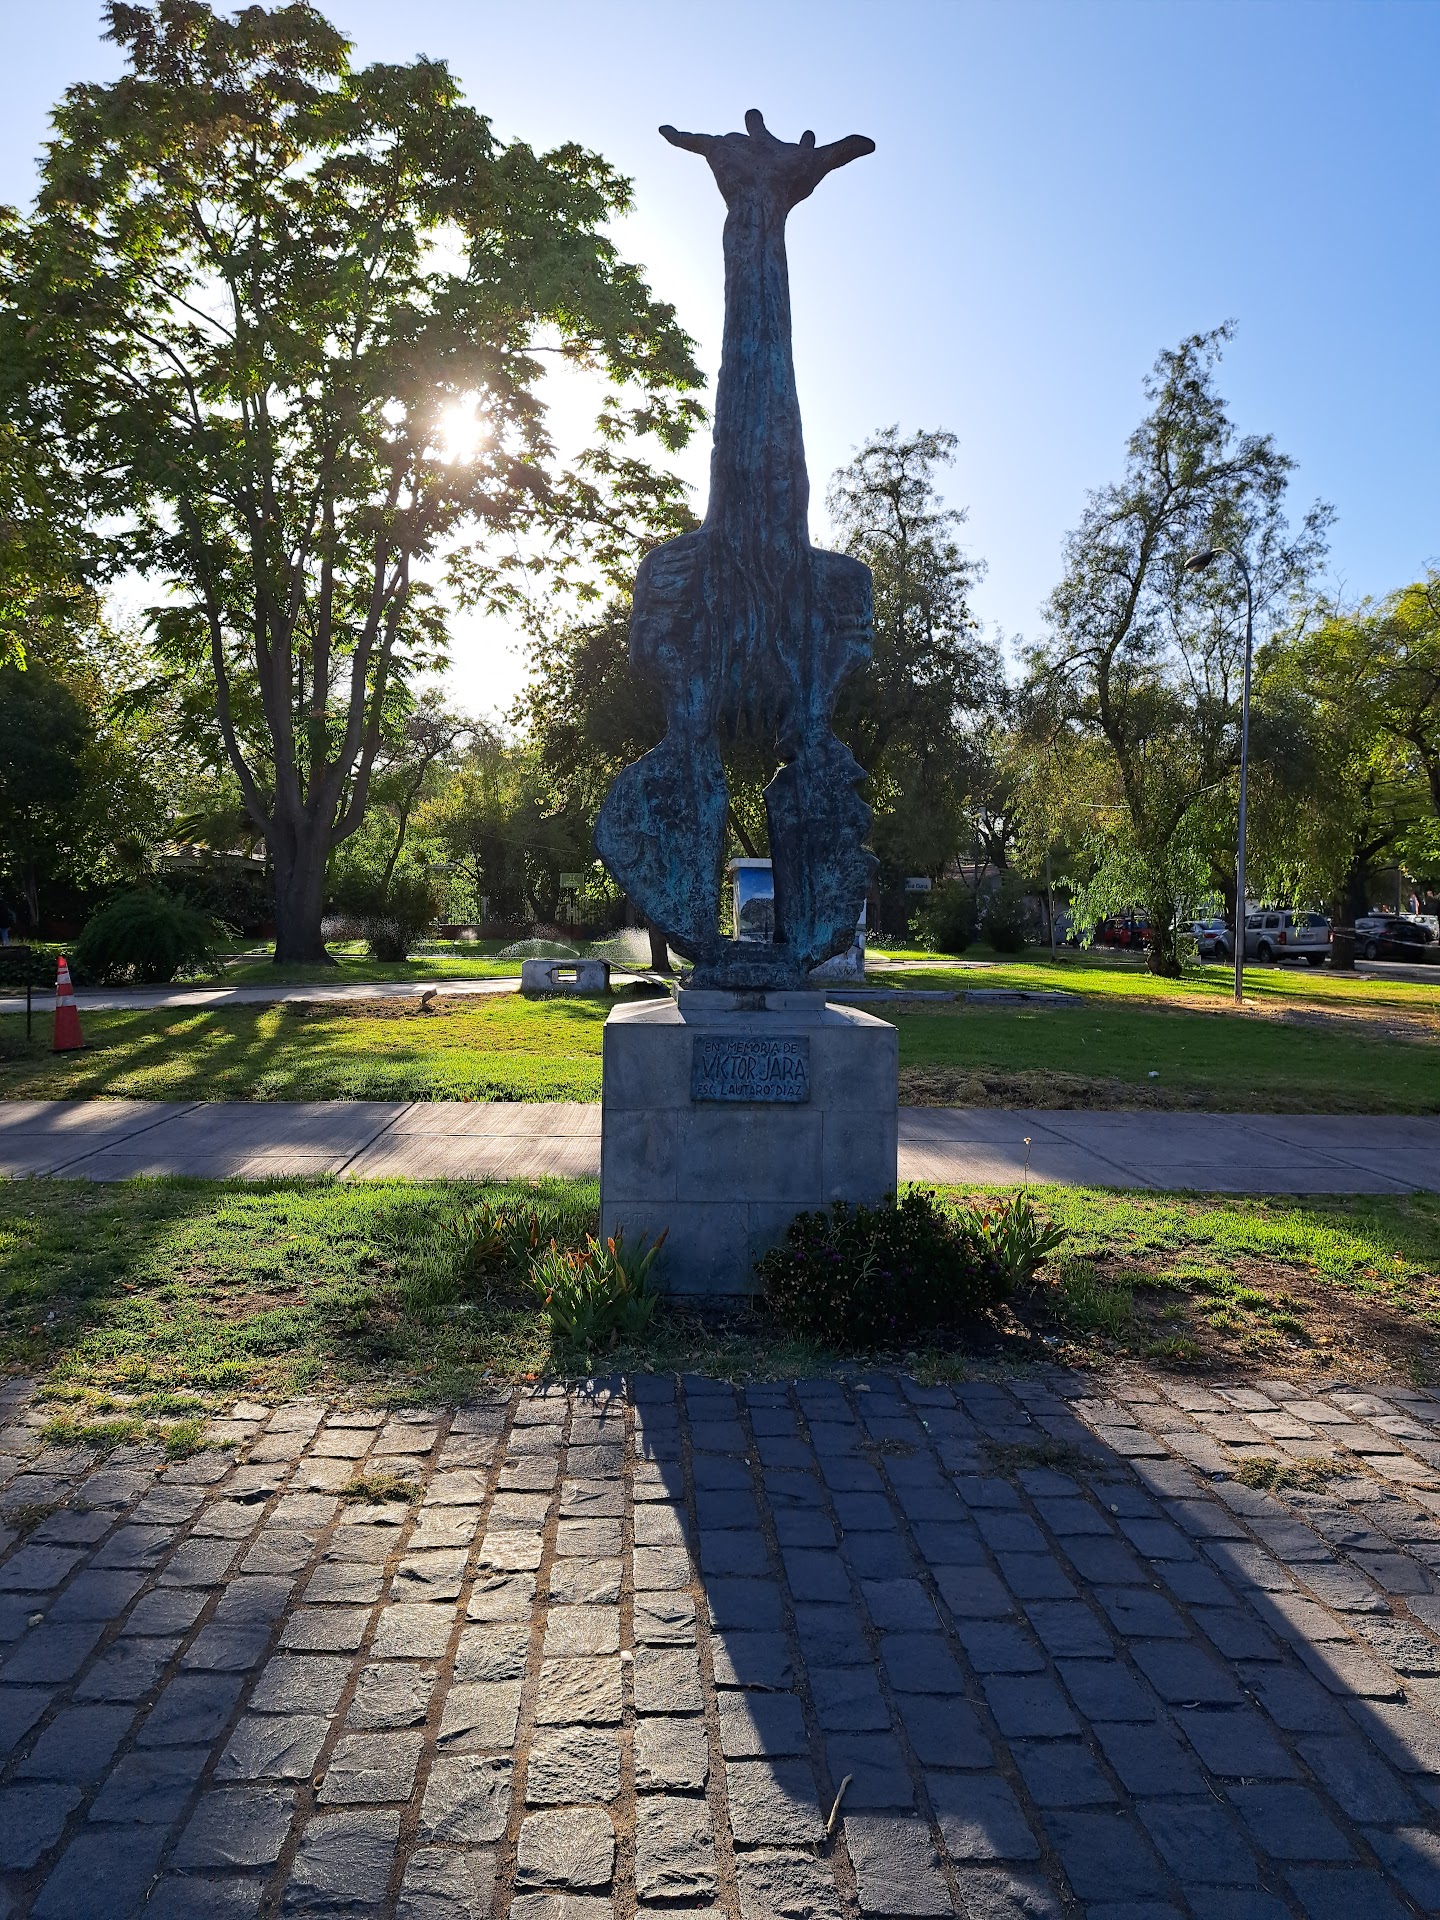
x=755 y=159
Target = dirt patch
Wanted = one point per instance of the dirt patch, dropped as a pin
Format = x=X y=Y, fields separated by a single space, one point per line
x=400 y=1007
x=1249 y=1316
x=1416 y=1022
x=1048 y=1088
x=247 y=1306
x=969 y=1087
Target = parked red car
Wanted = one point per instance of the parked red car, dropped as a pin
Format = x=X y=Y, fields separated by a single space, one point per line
x=1123 y=930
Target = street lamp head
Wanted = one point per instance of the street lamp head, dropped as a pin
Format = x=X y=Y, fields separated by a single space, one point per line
x=1198 y=562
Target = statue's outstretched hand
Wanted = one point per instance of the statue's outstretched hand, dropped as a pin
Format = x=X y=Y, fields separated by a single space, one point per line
x=756 y=159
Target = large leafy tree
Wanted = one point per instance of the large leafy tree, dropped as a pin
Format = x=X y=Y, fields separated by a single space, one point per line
x=83 y=798
x=1145 y=660
x=1364 y=682
x=507 y=833
x=916 y=717
x=1396 y=660
x=287 y=318
x=47 y=566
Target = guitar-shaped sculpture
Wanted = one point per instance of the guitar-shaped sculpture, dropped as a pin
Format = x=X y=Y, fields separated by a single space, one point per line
x=747 y=626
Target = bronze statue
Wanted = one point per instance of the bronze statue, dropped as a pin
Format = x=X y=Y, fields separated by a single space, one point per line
x=747 y=626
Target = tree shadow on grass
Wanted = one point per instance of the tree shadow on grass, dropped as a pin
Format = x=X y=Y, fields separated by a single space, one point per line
x=267 y=1288
x=308 y=1050
x=150 y=1055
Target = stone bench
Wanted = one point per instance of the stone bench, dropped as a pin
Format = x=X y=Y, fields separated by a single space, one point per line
x=565 y=976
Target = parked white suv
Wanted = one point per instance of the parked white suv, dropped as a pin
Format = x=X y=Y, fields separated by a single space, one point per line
x=1286 y=934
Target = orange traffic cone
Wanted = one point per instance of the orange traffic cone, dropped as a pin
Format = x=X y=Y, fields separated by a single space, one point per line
x=68 y=1037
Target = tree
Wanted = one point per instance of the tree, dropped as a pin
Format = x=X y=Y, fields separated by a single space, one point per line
x=1400 y=662
x=914 y=717
x=1365 y=683
x=80 y=807
x=427 y=741
x=1145 y=659
x=44 y=731
x=506 y=830
x=46 y=585
x=263 y=298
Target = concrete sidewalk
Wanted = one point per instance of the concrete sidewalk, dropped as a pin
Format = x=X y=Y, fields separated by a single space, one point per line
x=374 y=1139
x=141 y=999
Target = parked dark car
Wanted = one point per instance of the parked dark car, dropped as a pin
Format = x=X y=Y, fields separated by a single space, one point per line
x=1391 y=936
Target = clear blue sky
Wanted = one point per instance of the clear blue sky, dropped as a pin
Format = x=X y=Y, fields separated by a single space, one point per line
x=1059 y=190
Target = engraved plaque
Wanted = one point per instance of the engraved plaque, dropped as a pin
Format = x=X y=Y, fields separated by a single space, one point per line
x=729 y=1067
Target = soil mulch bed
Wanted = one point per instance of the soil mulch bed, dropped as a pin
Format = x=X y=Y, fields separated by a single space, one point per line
x=969 y=1087
x=1300 y=1325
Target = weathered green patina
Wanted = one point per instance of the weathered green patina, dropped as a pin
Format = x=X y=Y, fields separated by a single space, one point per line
x=747 y=626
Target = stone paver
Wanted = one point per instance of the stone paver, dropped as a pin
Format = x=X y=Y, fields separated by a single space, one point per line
x=376 y=1139
x=633 y=1642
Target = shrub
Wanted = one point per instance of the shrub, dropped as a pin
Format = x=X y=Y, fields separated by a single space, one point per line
x=146 y=936
x=1014 y=1235
x=496 y=1237
x=948 y=921
x=393 y=914
x=1006 y=920
x=869 y=1276
x=597 y=1292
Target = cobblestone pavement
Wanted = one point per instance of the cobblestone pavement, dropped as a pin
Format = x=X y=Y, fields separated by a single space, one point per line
x=626 y=1646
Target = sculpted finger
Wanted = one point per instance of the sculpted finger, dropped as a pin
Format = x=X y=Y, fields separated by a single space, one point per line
x=692 y=142
x=840 y=153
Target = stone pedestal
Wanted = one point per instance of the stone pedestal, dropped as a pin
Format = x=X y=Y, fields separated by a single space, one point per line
x=723 y=1115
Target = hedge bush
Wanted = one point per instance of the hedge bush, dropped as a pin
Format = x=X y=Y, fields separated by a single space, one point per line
x=1006 y=920
x=872 y=1276
x=146 y=936
x=948 y=921
x=392 y=916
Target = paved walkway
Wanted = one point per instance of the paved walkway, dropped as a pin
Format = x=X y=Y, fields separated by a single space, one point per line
x=138 y=999
x=372 y=1139
x=1033 y=1643
x=143 y=999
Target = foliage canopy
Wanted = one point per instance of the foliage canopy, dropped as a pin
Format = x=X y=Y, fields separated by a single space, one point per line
x=289 y=319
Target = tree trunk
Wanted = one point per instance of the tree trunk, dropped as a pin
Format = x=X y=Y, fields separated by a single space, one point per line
x=747 y=845
x=1163 y=957
x=1356 y=892
x=659 y=951
x=300 y=862
x=1227 y=900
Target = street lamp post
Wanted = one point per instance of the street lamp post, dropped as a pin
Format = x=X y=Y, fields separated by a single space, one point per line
x=1197 y=563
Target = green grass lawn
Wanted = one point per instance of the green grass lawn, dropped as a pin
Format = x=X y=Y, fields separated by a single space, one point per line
x=156 y=1300
x=499 y=1048
x=1110 y=977
x=356 y=967
x=1117 y=1052
x=1129 y=1044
